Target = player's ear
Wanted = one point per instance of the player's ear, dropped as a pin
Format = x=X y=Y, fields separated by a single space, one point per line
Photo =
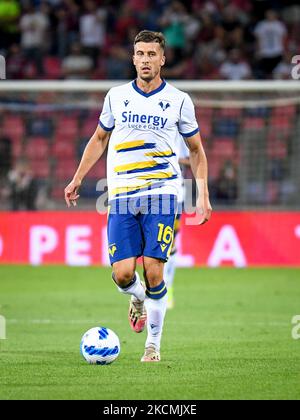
x=163 y=60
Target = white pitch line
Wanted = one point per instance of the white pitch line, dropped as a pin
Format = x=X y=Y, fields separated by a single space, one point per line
x=56 y=321
x=103 y=321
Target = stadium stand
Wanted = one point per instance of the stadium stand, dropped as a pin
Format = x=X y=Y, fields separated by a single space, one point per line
x=255 y=144
x=51 y=129
x=206 y=39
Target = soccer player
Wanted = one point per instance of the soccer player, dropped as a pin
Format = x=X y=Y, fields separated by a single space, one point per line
x=143 y=122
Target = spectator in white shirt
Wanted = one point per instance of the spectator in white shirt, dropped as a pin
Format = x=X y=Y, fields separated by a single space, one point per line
x=92 y=29
x=34 y=25
x=235 y=68
x=271 y=35
x=77 y=65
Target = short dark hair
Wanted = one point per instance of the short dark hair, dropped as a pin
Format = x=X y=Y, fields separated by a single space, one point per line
x=151 y=36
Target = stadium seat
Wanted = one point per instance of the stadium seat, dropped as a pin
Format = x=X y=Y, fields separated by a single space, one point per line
x=230 y=112
x=253 y=123
x=13 y=126
x=67 y=126
x=287 y=111
x=88 y=188
x=81 y=146
x=203 y=113
x=215 y=166
x=277 y=148
x=64 y=169
x=281 y=134
x=272 y=195
x=281 y=122
x=258 y=112
x=98 y=171
x=205 y=127
x=39 y=126
x=52 y=66
x=223 y=147
x=226 y=127
x=204 y=119
x=88 y=127
x=95 y=113
x=37 y=148
x=40 y=168
x=65 y=138
x=17 y=148
x=58 y=190
x=280 y=128
x=277 y=169
x=63 y=149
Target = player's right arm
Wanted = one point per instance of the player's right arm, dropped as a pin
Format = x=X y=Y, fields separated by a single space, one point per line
x=92 y=152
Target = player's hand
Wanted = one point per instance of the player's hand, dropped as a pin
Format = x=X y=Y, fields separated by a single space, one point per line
x=204 y=209
x=71 y=192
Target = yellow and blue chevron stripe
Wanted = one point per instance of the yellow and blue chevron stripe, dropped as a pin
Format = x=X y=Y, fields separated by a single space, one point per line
x=131 y=168
x=132 y=189
x=158 y=175
x=124 y=191
x=130 y=146
x=165 y=154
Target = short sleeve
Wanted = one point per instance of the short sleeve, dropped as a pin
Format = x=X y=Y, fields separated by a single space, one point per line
x=188 y=125
x=106 y=120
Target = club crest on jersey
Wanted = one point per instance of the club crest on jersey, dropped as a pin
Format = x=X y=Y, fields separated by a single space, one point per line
x=112 y=249
x=164 y=105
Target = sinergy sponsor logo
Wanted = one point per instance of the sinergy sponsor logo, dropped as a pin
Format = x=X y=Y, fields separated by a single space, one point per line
x=148 y=120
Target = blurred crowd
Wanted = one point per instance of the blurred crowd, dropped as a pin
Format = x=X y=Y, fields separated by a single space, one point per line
x=206 y=39
x=18 y=186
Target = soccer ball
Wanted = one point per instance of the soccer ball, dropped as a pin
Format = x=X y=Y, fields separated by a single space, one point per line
x=100 y=346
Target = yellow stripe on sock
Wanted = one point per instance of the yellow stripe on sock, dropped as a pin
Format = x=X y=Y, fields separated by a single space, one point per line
x=159 y=292
x=129 y=145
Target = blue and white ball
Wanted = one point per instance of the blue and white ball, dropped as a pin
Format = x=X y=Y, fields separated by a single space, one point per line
x=100 y=346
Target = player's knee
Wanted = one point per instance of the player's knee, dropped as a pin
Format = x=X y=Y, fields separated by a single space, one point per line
x=153 y=275
x=123 y=276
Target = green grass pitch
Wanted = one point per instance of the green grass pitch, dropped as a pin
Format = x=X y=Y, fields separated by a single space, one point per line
x=229 y=336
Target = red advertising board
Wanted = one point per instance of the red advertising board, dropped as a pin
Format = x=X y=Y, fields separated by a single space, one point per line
x=79 y=238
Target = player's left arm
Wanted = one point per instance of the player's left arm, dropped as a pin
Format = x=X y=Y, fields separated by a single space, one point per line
x=199 y=168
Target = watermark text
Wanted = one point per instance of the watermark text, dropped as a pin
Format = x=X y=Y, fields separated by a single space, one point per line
x=296 y=69
x=2 y=328
x=296 y=328
x=2 y=67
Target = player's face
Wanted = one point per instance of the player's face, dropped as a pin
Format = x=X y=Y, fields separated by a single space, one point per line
x=148 y=59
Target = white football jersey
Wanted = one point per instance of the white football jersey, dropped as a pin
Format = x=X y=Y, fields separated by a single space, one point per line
x=147 y=130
